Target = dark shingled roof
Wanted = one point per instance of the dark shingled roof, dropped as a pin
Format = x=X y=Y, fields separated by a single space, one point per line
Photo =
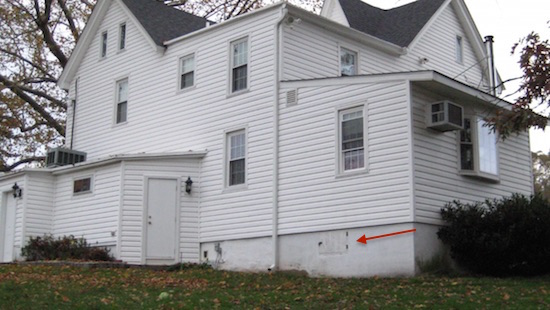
x=398 y=25
x=162 y=22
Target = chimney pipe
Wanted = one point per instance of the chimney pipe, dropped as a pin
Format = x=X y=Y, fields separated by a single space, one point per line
x=489 y=40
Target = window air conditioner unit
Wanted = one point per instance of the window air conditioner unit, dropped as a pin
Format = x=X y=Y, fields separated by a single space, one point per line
x=444 y=116
x=61 y=157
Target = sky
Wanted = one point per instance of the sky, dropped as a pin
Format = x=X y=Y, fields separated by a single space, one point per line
x=507 y=21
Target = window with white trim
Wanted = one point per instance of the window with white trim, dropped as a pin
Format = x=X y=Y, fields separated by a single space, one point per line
x=459 y=46
x=187 y=71
x=478 y=149
x=236 y=158
x=82 y=185
x=103 y=47
x=352 y=139
x=239 y=65
x=122 y=37
x=348 y=62
x=122 y=101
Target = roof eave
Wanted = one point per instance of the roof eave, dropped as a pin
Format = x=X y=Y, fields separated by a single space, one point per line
x=127 y=157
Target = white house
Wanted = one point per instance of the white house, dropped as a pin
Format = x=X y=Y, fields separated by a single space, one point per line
x=300 y=133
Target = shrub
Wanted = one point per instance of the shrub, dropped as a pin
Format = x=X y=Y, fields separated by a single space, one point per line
x=501 y=237
x=63 y=248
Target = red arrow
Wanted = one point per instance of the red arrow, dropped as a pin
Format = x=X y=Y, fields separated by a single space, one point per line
x=364 y=239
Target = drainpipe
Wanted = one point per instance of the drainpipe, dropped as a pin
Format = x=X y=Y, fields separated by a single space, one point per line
x=74 y=111
x=277 y=55
x=491 y=65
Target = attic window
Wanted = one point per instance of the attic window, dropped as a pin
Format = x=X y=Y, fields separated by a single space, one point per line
x=239 y=65
x=348 y=62
x=187 y=71
x=104 y=44
x=459 y=50
x=122 y=37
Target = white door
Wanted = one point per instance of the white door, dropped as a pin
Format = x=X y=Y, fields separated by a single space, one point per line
x=161 y=219
x=8 y=225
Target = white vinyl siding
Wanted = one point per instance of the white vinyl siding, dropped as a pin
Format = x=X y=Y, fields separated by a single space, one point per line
x=437 y=160
x=187 y=71
x=313 y=195
x=93 y=216
x=133 y=201
x=239 y=65
x=122 y=101
x=313 y=52
x=185 y=125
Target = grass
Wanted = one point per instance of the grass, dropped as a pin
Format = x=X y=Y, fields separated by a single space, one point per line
x=56 y=287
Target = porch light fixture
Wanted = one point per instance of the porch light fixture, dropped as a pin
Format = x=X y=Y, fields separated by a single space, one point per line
x=188 y=184
x=17 y=191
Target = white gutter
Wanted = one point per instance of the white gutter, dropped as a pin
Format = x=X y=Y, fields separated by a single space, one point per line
x=277 y=55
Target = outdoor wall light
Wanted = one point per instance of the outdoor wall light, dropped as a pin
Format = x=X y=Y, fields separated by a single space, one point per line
x=188 y=184
x=17 y=191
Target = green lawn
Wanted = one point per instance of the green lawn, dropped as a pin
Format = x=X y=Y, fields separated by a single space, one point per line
x=54 y=287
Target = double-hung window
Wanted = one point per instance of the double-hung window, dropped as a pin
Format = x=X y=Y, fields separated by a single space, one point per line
x=122 y=37
x=352 y=139
x=478 y=149
x=187 y=71
x=239 y=65
x=103 y=47
x=236 y=154
x=348 y=62
x=122 y=101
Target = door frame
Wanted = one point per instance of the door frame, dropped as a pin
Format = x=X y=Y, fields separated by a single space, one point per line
x=3 y=219
x=146 y=210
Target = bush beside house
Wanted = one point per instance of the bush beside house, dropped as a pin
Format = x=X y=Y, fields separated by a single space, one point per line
x=501 y=237
x=63 y=248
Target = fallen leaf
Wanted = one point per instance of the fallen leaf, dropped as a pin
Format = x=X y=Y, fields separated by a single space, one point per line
x=506 y=297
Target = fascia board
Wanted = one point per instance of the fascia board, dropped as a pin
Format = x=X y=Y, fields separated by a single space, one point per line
x=416 y=76
x=92 y=25
x=126 y=157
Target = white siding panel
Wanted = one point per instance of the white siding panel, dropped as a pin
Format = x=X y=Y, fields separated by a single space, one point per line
x=311 y=52
x=39 y=204
x=163 y=119
x=93 y=215
x=312 y=196
x=436 y=157
x=133 y=205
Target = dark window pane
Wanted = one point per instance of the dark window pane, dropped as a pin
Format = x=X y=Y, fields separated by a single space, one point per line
x=466 y=157
x=121 y=112
x=236 y=171
x=82 y=185
x=187 y=79
x=239 y=78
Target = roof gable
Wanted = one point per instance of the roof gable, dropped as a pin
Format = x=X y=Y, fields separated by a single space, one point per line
x=399 y=25
x=163 y=23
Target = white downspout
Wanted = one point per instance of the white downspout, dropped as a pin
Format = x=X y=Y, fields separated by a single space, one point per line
x=277 y=56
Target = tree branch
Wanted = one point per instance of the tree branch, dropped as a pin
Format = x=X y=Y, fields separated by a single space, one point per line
x=4 y=168
x=70 y=19
x=42 y=23
x=35 y=105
